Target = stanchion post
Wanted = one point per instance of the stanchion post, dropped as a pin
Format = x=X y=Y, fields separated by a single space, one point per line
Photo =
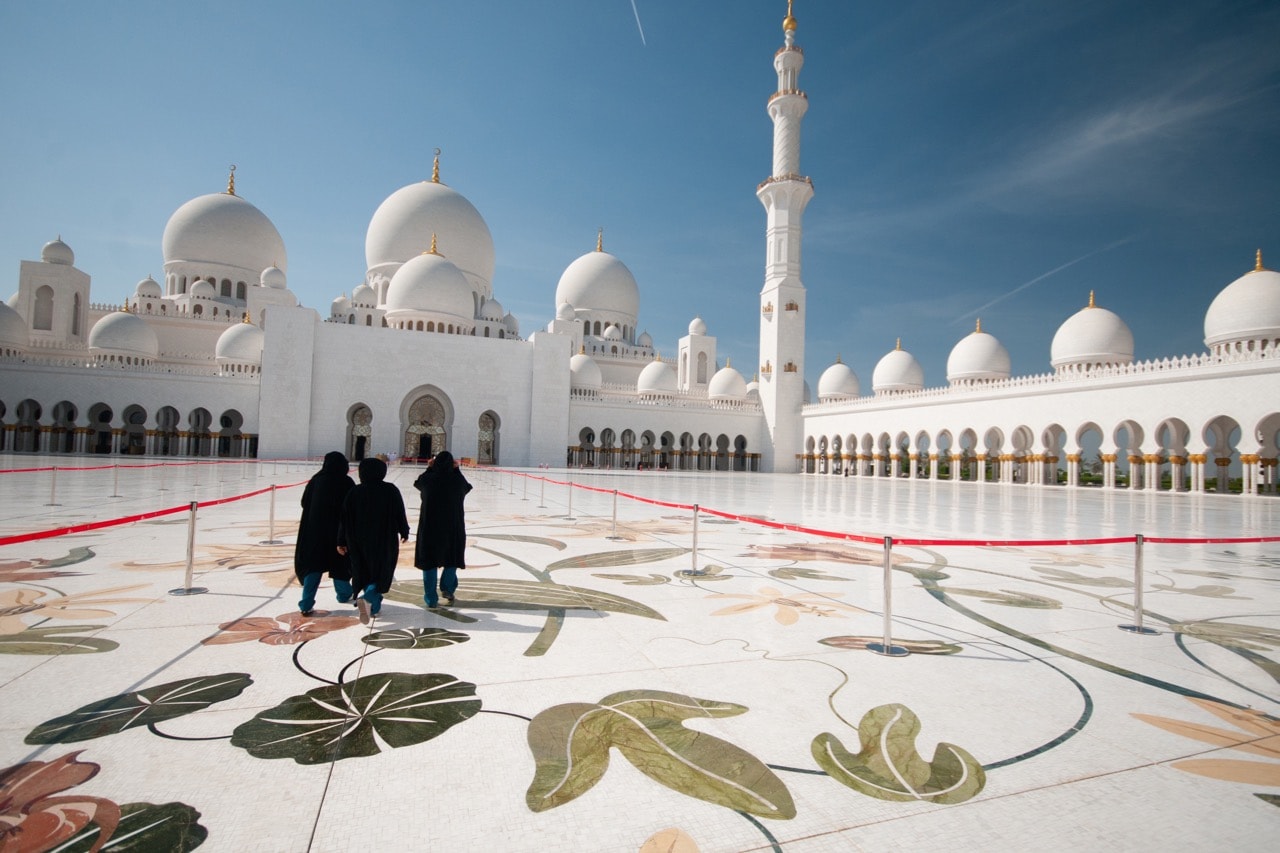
x=887 y=647
x=115 y=481
x=511 y=484
x=693 y=569
x=614 y=534
x=164 y=469
x=525 y=477
x=569 y=511
x=1137 y=627
x=53 y=488
x=542 y=494
x=271 y=521
x=187 y=588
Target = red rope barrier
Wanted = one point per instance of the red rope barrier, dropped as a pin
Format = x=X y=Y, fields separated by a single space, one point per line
x=934 y=542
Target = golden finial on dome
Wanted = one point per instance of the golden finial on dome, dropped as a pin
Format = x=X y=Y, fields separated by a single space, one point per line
x=245 y=318
x=789 y=22
x=1258 y=267
x=435 y=168
x=231 y=181
x=1091 y=303
x=726 y=362
x=600 y=240
x=432 y=250
x=582 y=349
x=898 y=346
x=838 y=361
x=978 y=326
x=125 y=306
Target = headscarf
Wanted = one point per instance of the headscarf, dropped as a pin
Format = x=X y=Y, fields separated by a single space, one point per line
x=334 y=463
x=372 y=470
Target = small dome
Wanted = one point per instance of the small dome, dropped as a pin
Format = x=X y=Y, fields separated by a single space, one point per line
x=57 y=252
x=241 y=344
x=512 y=324
x=203 y=290
x=838 y=382
x=753 y=389
x=13 y=329
x=273 y=277
x=564 y=311
x=978 y=355
x=697 y=327
x=727 y=384
x=491 y=310
x=657 y=379
x=122 y=333
x=431 y=283
x=598 y=281
x=1248 y=309
x=645 y=340
x=584 y=373
x=341 y=306
x=364 y=296
x=897 y=371
x=148 y=288
x=1092 y=336
x=612 y=333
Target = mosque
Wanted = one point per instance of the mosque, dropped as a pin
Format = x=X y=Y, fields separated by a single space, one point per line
x=220 y=359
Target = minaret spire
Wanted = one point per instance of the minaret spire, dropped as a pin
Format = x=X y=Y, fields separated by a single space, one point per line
x=435 y=168
x=784 y=194
x=231 y=181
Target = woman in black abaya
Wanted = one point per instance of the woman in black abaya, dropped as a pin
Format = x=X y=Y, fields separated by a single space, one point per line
x=315 y=555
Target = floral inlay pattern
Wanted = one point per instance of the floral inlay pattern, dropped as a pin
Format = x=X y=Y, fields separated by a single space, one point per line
x=285 y=630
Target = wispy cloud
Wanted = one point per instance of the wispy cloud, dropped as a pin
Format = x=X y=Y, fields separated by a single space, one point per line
x=639 y=26
x=1002 y=297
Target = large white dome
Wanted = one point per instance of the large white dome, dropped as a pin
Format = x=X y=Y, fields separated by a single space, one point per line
x=124 y=334
x=838 y=382
x=13 y=329
x=598 y=281
x=1092 y=336
x=1248 y=309
x=584 y=373
x=897 y=371
x=657 y=379
x=148 y=288
x=403 y=225
x=57 y=252
x=221 y=228
x=241 y=343
x=431 y=283
x=727 y=384
x=978 y=355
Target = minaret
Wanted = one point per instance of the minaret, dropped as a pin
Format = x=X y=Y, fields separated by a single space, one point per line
x=784 y=195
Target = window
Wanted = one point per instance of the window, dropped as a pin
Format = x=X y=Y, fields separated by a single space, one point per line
x=44 y=309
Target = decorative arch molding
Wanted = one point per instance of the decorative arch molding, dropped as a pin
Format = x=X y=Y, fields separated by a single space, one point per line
x=426 y=421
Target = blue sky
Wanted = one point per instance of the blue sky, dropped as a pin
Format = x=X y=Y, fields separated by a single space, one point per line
x=970 y=159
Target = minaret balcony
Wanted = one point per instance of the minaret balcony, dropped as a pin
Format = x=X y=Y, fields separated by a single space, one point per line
x=777 y=179
x=784 y=92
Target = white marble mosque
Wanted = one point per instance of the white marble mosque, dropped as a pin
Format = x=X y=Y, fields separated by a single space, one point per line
x=220 y=359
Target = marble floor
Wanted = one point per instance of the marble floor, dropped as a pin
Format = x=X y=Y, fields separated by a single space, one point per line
x=624 y=674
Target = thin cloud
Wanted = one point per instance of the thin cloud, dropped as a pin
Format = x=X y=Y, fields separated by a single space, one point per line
x=1043 y=276
x=639 y=26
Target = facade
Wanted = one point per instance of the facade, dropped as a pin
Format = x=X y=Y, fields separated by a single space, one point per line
x=220 y=359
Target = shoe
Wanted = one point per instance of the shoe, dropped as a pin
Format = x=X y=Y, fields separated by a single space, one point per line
x=374 y=611
x=307 y=612
x=448 y=599
x=344 y=601
x=365 y=615
x=433 y=605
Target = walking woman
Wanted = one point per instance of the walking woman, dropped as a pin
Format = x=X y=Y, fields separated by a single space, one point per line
x=315 y=555
x=442 y=535
x=372 y=520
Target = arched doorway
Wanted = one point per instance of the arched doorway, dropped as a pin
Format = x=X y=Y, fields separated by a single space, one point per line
x=359 y=431
x=426 y=427
x=487 y=439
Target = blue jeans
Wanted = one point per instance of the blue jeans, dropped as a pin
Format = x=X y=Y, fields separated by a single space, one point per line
x=374 y=598
x=311 y=585
x=448 y=584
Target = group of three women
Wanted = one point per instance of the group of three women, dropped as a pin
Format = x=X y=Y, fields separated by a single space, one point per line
x=353 y=532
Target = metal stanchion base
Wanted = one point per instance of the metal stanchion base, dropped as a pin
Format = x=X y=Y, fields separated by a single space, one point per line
x=617 y=538
x=271 y=542
x=567 y=517
x=53 y=504
x=191 y=590
x=1138 y=629
x=887 y=651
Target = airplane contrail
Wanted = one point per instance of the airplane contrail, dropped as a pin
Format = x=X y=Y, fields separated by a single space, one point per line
x=639 y=26
x=1043 y=276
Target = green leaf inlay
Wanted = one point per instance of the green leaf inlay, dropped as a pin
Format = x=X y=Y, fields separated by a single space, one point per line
x=357 y=719
x=604 y=559
x=889 y=768
x=144 y=826
x=571 y=744
x=56 y=640
x=141 y=708
x=415 y=638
